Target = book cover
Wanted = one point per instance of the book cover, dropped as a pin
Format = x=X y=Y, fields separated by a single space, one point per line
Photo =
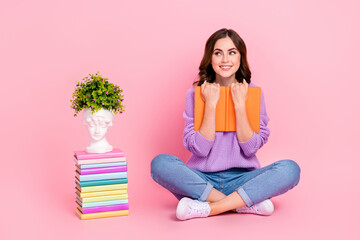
x=98 y=165
x=82 y=155
x=225 y=113
x=100 y=182
x=101 y=170
x=101 y=193
x=102 y=187
x=101 y=203
x=99 y=160
x=102 y=176
x=104 y=198
x=101 y=214
x=108 y=208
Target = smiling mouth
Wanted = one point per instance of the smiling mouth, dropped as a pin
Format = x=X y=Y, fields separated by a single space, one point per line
x=225 y=68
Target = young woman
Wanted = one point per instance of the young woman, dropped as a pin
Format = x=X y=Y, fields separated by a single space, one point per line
x=223 y=172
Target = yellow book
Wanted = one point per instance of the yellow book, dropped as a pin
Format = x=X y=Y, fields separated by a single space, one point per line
x=225 y=112
x=101 y=214
x=104 y=198
x=102 y=187
x=102 y=193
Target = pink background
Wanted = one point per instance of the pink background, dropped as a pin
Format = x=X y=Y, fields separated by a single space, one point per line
x=304 y=54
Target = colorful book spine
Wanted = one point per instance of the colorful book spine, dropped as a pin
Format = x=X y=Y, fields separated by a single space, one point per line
x=100 y=160
x=101 y=170
x=82 y=155
x=101 y=203
x=102 y=187
x=101 y=214
x=99 y=194
x=99 y=165
x=101 y=184
x=104 y=198
x=102 y=176
x=108 y=208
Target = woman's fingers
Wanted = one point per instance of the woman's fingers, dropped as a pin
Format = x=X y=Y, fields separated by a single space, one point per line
x=203 y=86
x=246 y=84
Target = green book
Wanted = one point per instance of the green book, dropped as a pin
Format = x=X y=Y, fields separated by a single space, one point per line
x=100 y=182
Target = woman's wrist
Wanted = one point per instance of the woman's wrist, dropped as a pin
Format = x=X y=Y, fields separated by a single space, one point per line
x=240 y=107
x=210 y=106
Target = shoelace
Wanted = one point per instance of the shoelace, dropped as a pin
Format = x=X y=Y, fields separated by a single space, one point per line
x=196 y=208
x=250 y=209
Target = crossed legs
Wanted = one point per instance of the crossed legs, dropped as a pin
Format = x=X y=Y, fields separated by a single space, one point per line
x=220 y=203
x=255 y=186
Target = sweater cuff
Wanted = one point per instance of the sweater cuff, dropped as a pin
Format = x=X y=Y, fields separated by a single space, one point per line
x=249 y=145
x=204 y=143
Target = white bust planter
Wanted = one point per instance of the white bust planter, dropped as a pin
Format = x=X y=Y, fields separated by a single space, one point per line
x=98 y=124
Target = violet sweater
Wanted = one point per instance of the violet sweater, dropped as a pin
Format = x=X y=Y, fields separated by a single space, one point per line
x=225 y=151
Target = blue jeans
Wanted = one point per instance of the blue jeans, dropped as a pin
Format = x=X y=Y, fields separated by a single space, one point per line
x=253 y=186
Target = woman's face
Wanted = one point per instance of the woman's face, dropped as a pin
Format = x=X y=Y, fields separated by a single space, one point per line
x=225 y=59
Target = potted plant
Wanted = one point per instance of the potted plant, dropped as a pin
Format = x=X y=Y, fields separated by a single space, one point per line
x=100 y=100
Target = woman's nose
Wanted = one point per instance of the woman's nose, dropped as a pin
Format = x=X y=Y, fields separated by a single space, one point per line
x=225 y=58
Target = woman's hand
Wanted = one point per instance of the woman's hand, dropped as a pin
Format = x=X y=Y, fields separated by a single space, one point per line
x=210 y=93
x=239 y=93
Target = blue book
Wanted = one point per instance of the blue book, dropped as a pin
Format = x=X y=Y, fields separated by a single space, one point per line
x=97 y=165
x=101 y=203
x=101 y=176
x=100 y=182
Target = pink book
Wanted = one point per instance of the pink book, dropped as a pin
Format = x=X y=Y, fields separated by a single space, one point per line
x=102 y=170
x=99 y=160
x=107 y=208
x=82 y=155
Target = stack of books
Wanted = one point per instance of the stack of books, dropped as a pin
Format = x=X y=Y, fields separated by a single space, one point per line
x=101 y=184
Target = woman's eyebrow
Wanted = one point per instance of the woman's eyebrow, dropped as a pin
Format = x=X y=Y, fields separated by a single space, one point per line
x=218 y=49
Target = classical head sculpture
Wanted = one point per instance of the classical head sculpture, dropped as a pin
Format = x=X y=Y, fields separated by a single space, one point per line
x=98 y=124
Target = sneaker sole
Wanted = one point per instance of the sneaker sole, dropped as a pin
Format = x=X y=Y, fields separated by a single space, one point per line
x=181 y=207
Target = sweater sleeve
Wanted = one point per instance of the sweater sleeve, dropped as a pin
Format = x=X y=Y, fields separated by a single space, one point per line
x=194 y=141
x=258 y=139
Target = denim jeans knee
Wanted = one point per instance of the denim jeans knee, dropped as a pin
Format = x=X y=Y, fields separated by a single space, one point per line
x=292 y=171
x=160 y=163
x=269 y=181
x=171 y=173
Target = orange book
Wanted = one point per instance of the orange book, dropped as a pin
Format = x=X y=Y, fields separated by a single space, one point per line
x=225 y=113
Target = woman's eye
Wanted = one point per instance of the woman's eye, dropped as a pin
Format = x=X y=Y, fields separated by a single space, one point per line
x=232 y=53
x=217 y=53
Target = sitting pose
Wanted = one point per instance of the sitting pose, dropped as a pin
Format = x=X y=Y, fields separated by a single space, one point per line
x=223 y=172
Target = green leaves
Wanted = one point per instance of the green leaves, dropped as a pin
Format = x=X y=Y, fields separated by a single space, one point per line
x=96 y=92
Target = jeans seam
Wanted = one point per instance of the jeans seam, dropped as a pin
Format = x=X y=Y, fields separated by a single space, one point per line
x=243 y=190
x=166 y=186
x=206 y=192
x=221 y=182
x=245 y=197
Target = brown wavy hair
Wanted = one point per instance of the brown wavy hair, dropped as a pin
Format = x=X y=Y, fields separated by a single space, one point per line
x=207 y=72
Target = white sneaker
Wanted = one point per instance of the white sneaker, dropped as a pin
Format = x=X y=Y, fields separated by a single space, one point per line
x=188 y=208
x=265 y=208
